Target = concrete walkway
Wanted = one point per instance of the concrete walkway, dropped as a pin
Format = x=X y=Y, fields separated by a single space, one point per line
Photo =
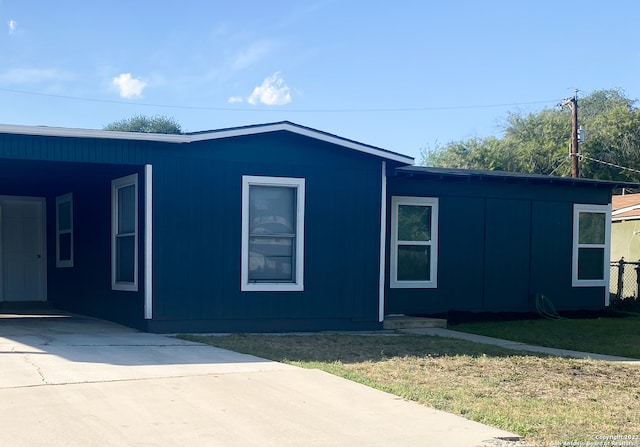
x=72 y=381
x=517 y=346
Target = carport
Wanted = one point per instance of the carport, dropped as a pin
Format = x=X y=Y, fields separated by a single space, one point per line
x=64 y=206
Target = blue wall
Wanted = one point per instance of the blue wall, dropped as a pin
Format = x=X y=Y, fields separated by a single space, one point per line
x=500 y=243
x=197 y=234
x=86 y=287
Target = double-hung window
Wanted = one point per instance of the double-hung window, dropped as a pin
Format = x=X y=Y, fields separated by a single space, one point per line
x=414 y=242
x=272 y=233
x=591 y=245
x=64 y=230
x=124 y=233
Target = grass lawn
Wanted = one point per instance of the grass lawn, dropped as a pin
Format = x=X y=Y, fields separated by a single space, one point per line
x=543 y=399
x=606 y=335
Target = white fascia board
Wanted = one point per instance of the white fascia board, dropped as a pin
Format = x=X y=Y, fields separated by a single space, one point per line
x=307 y=133
x=205 y=136
x=623 y=219
x=92 y=133
x=625 y=209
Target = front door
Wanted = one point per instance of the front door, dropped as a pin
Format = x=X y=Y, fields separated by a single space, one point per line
x=22 y=255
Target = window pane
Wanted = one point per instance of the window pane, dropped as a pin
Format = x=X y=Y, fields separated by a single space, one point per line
x=592 y=227
x=271 y=259
x=127 y=209
x=125 y=258
x=414 y=262
x=272 y=210
x=591 y=263
x=414 y=223
x=64 y=243
x=64 y=216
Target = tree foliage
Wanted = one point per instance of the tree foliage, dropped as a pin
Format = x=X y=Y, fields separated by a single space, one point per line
x=540 y=142
x=141 y=123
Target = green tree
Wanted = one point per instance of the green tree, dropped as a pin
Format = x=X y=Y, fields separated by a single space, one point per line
x=474 y=153
x=141 y=123
x=539 y=142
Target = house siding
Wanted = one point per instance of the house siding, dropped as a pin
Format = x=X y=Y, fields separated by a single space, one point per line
x=86 y=287
x=501 y=241
x=500 y=244
x=625 y=240
x=197 y=236
x=47 y=167
x=90 y=150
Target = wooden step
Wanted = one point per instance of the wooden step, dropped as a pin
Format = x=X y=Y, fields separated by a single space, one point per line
x=408 y=322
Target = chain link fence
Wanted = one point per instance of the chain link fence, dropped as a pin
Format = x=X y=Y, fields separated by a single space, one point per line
x=624 y=280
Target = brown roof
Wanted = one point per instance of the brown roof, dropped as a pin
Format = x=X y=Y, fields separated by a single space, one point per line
x=624 y=201
x=625 y=207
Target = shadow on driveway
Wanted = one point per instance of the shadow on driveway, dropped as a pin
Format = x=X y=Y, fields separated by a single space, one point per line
x=56 y=347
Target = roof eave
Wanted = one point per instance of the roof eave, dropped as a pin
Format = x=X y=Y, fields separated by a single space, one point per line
x=46 y=131
x=624 y=218
x=204 y=136
x=305 y=131
x=503 y=176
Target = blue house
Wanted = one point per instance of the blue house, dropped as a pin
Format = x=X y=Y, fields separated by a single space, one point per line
x=280 y=227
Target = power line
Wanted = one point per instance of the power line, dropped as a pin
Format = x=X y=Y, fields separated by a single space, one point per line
x=236 y=109
x=609 y=164
x=559 y=165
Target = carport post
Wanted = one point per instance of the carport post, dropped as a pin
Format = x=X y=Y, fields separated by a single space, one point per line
x=148 y=242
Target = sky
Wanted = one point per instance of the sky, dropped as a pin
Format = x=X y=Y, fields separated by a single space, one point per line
x=401 y=75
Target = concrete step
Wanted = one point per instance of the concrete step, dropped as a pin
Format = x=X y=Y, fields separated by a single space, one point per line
x=407 y=322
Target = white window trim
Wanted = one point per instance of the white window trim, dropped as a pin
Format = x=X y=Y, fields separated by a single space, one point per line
x=115 y=185
x=575 y=282
x=394 y=283
x=62 y=263
x=299 y=184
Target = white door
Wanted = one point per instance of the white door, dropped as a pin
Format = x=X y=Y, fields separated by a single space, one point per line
x=23 y=256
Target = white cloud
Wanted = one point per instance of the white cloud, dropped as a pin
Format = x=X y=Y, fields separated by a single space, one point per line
x=235 y=99
x=129 y=87
x=272 y=92
x=13 y=26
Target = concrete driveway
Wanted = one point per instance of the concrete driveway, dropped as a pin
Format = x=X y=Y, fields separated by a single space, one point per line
x=73 y=381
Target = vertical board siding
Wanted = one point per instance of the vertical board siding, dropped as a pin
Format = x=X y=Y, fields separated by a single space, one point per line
x=461 y=253
x=500 y=244
x=506 y=261
x=50 y=166
x=43 y=148
x=86 y=287
x=485 y=229
x=551 y=235
x=197 y=229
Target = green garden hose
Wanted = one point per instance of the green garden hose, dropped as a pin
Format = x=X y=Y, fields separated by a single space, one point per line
x=545 y=308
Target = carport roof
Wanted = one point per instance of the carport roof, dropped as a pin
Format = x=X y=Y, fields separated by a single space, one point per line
x=508 y=177
x=192 y=137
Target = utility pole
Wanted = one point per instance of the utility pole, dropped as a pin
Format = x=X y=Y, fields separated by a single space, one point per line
x=573 y=105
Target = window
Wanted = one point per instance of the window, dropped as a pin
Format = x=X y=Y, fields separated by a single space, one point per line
x=272 y=233
x=414 y=242
x=124 y=233
x=591 y=241
x=64 y=230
